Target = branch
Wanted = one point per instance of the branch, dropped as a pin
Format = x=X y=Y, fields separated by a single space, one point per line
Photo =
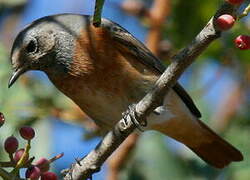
x=121 y=156
x=98 y=12
x=4 y=174
x=245 y=12
x=158 y=14
x=7 y=176
x=92 y=163
x=224 y=114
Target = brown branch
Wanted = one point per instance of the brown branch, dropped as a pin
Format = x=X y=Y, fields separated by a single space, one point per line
x=180 y=62
x=7 y=176
x=94 y=160
x=135 y=8
x=120 y=157
x=158 y=14
x=228 y=108
x=7 y=164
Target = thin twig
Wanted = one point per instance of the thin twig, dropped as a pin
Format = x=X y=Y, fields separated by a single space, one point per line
x=158 y=13
x=7 y=164
x=121 y=156
x=56 y=157
x=7 y=176
x=98 y=12
x=224 y=114
x=245 y=12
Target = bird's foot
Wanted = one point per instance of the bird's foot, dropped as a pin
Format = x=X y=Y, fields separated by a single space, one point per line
x=130 y=113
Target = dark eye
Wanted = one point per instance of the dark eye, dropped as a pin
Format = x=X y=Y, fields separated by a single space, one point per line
x=31 y=47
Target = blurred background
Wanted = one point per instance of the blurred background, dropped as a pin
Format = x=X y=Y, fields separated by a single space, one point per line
x=218 y=82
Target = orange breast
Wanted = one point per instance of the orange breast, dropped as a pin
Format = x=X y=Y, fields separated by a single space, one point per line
x=103 y=80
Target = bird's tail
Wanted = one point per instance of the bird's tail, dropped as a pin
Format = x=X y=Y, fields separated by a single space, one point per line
x=204 y=142
x=217 y=152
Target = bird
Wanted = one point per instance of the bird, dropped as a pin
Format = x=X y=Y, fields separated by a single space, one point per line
x=104 y=70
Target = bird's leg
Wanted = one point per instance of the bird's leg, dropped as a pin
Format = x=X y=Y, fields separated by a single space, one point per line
x=130 y=114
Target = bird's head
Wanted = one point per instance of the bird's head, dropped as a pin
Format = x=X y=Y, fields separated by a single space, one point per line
x=32 y=50
x=47 y=45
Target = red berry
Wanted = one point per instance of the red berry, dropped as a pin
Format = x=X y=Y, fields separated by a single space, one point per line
x=242 y=42
x=2 y=119
x=27 y=132
x=235 y=2
x=43 y=164
x=49 y=176
x=19 y=154
x=225 y=22
x=33 y=173
x=11 y=144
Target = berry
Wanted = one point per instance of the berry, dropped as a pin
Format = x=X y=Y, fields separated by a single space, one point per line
x=19 y=154
x=49 y=176
x=2 y=119
x=27 y=132
x=225 y=22
x=11 y=144
x=242 y=42
x=43 y=164
x=33 y=173
x=235 y=2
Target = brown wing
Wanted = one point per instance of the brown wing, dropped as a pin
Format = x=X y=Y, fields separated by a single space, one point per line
x=143 y=54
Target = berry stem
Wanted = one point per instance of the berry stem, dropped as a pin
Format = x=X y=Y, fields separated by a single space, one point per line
x=98 y=12
x=245 y=12
x=56 y=157
x=28 y=163
x=7 y=164
x=5 y=175
x=22 y=161
x=11 y=157
x=8 y=176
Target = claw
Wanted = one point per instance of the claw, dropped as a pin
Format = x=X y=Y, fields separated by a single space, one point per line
x=130 y=113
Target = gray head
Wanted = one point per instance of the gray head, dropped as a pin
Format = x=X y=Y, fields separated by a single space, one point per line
x=46 y=43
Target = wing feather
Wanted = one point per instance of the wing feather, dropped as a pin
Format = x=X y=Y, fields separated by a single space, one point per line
x=143 y=54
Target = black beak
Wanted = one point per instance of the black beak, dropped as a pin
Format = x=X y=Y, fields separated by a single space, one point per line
x=16 y=74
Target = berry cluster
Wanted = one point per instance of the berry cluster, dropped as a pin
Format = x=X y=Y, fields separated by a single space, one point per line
x=226 y=21
x=19 y=158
